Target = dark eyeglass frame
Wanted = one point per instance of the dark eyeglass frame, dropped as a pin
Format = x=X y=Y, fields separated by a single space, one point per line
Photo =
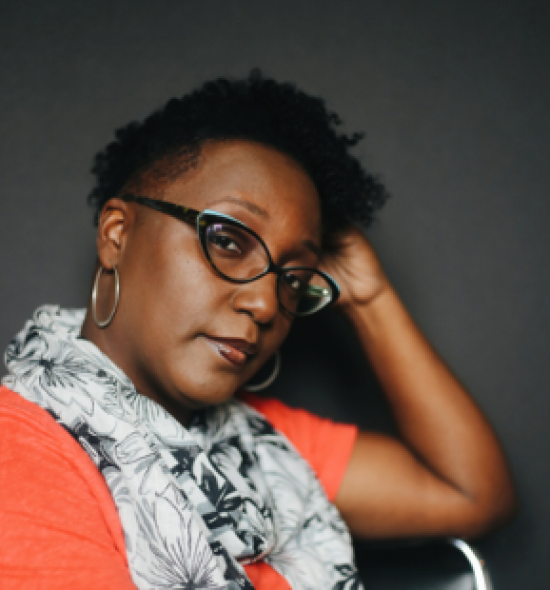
x=202 y=219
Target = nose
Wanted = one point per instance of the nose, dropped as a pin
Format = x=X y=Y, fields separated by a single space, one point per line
x=258 y=299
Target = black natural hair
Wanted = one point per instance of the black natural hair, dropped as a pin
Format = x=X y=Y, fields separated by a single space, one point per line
x=257 y=109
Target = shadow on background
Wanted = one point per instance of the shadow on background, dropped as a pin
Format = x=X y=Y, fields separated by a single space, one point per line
x=324 y=370
x=413 y=566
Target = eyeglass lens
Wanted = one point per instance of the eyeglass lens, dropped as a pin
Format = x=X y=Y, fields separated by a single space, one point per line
x=238 y=254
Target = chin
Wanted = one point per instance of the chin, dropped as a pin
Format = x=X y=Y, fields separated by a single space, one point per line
x=212 y=392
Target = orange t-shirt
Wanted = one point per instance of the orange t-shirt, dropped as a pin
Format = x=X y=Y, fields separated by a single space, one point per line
x=59 y=526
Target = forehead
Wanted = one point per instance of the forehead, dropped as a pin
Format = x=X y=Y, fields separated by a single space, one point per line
x=265 y=178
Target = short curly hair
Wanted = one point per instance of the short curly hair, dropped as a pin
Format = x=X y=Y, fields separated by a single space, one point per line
x=257 y=109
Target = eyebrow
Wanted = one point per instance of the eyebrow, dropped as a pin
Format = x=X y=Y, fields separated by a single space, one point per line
x=246 y=204
x=257 y=210
x=313 y=247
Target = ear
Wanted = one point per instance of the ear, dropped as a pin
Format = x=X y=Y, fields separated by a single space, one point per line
x=115 y=222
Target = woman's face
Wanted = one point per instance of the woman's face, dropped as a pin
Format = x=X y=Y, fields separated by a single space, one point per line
x=185 y=335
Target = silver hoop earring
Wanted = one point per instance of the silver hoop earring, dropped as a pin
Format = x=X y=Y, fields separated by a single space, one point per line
x=104 y=323
x=270 y=379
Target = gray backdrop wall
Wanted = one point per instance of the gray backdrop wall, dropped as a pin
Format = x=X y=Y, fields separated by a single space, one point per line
x=454 y=97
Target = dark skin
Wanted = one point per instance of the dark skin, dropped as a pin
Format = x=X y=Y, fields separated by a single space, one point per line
x=446 y=475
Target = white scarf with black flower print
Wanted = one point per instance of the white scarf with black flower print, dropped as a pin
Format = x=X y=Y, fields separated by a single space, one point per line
x=197 y=503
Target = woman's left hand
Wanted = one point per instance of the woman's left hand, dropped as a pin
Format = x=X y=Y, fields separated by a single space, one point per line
x=351 y=261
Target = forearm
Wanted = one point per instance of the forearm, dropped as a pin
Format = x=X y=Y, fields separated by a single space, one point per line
x=437 y=419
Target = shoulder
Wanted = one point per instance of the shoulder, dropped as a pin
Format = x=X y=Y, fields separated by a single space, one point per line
x=29 y=430
x=51 y=491
x=326 y=445
x=27 y=427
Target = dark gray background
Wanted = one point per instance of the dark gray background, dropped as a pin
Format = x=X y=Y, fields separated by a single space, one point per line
x=454 y=98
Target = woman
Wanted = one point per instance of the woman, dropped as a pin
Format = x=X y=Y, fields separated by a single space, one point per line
x=221 y=219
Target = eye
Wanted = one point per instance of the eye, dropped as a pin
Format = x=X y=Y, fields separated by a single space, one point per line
x=225 y=243
x=294 y=282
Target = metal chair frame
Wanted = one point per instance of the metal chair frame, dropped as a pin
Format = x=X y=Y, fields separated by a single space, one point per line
x=482 y=580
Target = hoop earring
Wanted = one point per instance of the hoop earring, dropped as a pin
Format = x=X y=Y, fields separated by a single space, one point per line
x=105 y=323
x=270 y=379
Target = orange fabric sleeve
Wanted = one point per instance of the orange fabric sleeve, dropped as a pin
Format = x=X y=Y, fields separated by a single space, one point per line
x=324 y=444
x=59 y=528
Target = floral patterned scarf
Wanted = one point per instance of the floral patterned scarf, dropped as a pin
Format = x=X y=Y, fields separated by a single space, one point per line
x=195 y=503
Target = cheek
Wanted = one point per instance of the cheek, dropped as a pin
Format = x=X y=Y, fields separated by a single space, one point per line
x=174 y=289
x=186 y=293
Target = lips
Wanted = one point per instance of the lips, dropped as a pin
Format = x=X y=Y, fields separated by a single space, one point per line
x=235 y=350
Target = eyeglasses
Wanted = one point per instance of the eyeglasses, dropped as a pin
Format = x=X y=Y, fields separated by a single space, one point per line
x=239 y=255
